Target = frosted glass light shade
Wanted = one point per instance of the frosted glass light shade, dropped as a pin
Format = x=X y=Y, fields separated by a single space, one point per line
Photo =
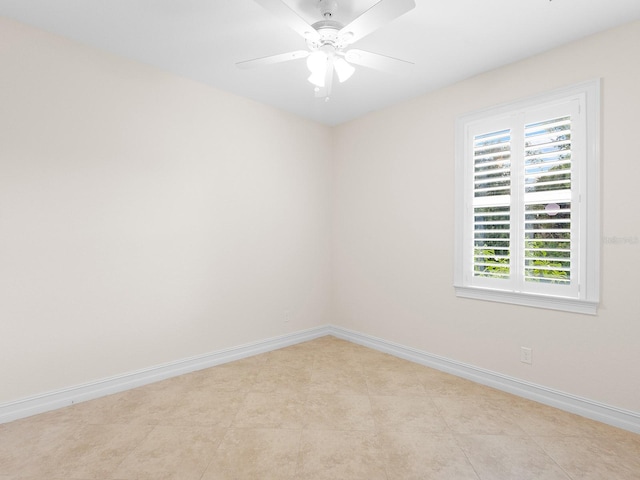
x=317 y=62
x=343 y=69
x=317 y=78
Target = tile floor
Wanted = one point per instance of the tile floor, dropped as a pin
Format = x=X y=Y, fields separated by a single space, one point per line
x=325 y=409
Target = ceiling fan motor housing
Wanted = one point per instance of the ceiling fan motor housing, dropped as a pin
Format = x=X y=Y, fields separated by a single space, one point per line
x=327 y=8
x=330 y=35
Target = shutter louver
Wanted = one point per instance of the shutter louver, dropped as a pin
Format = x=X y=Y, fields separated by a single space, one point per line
x=492 y=192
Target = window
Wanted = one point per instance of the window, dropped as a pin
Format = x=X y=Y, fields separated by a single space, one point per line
x=527 y=201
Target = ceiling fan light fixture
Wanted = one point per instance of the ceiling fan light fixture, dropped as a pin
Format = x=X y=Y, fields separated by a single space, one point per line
x=343 y=69
x=317 y=78
x=317 y=62
x=328 y=40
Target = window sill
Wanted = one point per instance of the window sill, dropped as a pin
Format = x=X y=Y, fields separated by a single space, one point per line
x=530 y=300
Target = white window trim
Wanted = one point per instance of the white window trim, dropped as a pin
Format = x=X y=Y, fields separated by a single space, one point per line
x=588 y=296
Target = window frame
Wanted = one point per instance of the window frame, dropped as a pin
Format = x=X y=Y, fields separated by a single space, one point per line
x=584 y=298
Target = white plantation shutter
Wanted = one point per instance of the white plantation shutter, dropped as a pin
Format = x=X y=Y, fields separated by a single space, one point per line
x=491 y=204
x=547 y=201
x=526 y=216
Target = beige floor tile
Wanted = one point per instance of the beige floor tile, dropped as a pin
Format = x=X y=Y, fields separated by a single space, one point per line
x=595 y=458
x=332 y=360
x=95 y=451
x=400 y=380
x=299 y=356
x=164 y=403
x=331 y=455
x=441 y=384
x=327 y=344
x=268 y=410
x=345 y=380
x=323 y=409
x=415 y=456
x=57 y=416
x=31 y=448
x=502 y=457
x=202 y=407
x=53 y=477
x=338 y=412
x=406 y=414
x=477 y=415
x=228 y=377
x=374 y=360
x=282 y=379
x=147 y=406
x=542 y=420
x=171 y=453
x=37 y=422
x=65 y=450
x=99 y=411
x=251 y=454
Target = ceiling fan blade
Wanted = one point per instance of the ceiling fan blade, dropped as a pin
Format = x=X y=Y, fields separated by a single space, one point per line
x=378 y=62
x=291 y=18
x=270 y=60
x=379 y=14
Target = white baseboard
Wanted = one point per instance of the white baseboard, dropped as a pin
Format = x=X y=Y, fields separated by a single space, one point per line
x=26 y=407
x=614 y=416
x=62 y=398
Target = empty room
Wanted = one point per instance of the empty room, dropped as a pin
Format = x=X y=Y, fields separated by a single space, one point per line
x=317 y=239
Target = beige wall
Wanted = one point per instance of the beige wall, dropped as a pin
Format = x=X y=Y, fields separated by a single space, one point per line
x=393 y=230
x=145 y=218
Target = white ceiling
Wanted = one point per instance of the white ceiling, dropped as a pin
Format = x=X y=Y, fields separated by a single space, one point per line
x=448 y=40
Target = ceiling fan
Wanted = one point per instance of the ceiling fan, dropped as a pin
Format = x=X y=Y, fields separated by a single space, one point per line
x=328 y=41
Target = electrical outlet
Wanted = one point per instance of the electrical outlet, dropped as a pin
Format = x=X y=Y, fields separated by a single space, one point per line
x=526 y=355
x=287 y=316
